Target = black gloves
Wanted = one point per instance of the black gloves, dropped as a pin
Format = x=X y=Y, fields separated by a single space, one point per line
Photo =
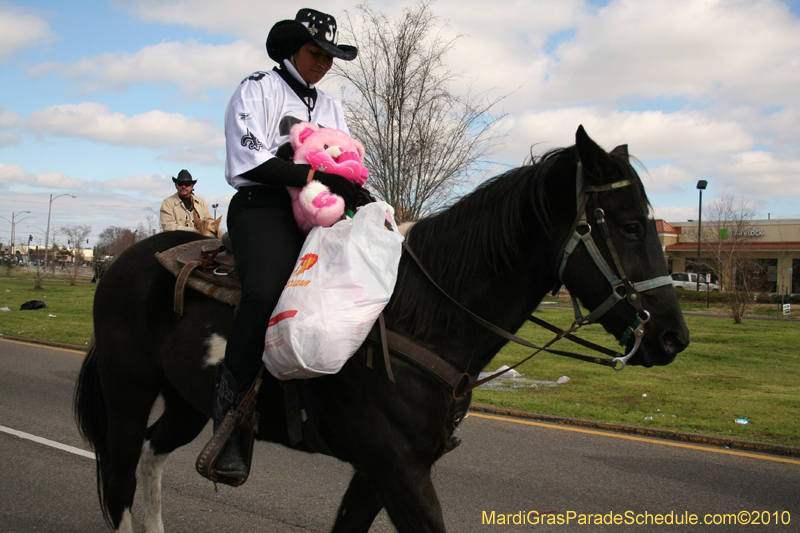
x=338 y=185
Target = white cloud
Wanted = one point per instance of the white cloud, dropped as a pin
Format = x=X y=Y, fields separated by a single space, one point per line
x=780 y=130
x=8 y=138
x=21 y=28
x=193 y=66
x=650 y=135
x=16 y=175
x=748 y=51
x=154 y=129
x=696 y=88
x=144 y=187
x=9 y=119
x=665 y=179
x=195 y=154
x=251 y=19
x=123 y=201
x=675 y=213
x=757 y=174
x=150 y=184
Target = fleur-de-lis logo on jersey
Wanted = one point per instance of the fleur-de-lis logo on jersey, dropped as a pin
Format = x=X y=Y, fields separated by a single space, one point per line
x=251 y=141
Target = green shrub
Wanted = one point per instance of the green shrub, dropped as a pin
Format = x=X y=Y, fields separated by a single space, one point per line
x=774 y=298
x=700 y=296
x=721 y=297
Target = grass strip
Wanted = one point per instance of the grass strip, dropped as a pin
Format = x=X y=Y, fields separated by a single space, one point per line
x=67 y=318
x=748 y=372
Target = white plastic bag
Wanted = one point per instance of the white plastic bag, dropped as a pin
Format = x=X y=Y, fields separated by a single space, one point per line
x=343 y=279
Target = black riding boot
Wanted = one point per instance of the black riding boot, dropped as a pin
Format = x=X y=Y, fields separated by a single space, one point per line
x=231 y=462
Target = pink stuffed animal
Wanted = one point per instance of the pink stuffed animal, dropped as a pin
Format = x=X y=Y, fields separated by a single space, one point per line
x=326 y=150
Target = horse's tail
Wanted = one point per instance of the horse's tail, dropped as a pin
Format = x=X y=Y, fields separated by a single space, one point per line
x=91 y=417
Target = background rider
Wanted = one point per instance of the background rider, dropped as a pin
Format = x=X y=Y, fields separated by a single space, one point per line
x=177 y=211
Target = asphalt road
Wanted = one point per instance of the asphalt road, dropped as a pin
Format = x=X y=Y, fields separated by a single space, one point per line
x=506 y=467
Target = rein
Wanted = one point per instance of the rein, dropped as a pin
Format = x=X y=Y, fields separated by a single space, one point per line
x=632 y=290
x=513 y=338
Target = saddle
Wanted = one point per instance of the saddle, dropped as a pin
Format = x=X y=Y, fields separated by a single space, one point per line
x=206 y=266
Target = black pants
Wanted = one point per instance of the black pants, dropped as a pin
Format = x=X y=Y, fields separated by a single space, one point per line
x=266 y=244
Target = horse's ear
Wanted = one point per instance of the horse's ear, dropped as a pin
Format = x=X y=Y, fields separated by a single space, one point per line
x=593 y=157
x=621 y=151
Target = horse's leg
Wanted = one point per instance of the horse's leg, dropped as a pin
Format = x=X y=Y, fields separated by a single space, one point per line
x=179 y=424
x=406 y=490
x=359 y=507
x=128 y=410
x=151 y=466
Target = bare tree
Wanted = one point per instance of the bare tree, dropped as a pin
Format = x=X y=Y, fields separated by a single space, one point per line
x=151 y=223
x=422 y=141
x=76 y=235
x=41 y=267
x=726 y=236
x=114 y=240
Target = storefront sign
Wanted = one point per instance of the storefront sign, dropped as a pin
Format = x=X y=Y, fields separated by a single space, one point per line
x=723 y=233
x=749 y=233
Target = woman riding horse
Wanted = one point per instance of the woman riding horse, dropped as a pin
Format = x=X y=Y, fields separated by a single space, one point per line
x=262 y=228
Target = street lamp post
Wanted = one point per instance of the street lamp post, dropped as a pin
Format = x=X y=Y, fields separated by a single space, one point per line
x=47 y=233
x=13 y=226
x=215 y=206
x=701 y=185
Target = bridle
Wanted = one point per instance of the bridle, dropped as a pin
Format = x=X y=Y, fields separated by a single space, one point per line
x=616 y=280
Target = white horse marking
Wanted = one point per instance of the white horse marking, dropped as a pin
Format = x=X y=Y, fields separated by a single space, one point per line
x=216 y=350
x=404 y=227
x=125 y=525
x=152 y=467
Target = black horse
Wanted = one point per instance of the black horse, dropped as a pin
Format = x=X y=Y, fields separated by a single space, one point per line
x=497 y=251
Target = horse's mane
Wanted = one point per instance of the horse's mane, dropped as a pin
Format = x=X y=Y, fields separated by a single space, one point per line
x=493 y=216
x=481 y=232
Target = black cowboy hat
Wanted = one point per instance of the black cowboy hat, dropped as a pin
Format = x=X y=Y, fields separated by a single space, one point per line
x=184 y=177
x=308 y=26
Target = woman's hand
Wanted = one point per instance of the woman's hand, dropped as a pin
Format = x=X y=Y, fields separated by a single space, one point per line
x=338 y=185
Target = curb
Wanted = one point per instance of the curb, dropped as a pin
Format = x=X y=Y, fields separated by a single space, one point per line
x=666 y=434
x=695 y=313
x=76 y=347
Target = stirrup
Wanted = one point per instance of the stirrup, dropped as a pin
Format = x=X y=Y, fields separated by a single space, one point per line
x=245 y=419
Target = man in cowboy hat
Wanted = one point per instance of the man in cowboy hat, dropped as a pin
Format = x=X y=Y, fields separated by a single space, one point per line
x=177 y=211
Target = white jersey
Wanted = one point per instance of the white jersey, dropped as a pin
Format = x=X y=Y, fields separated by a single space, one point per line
x=257 y=122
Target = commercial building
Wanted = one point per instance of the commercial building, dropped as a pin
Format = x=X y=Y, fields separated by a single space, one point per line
x=25 y=253
x=773 y=245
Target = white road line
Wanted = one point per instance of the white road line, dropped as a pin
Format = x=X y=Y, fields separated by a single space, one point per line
x=47 y=442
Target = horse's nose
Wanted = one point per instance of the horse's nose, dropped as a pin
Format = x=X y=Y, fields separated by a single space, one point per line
x=674 y=342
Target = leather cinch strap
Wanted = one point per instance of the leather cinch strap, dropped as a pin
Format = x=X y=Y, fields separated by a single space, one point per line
x=180 y=285
x=423 y=358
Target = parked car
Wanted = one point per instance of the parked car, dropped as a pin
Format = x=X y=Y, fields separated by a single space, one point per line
x=688 y=281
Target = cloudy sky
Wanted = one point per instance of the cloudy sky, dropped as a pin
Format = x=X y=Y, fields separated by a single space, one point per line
x=107 y=100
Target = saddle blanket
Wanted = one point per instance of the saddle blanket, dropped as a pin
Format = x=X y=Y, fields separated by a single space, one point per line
x=169 y=260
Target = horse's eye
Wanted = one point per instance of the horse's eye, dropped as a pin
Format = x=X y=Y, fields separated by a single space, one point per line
x=632 y=229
